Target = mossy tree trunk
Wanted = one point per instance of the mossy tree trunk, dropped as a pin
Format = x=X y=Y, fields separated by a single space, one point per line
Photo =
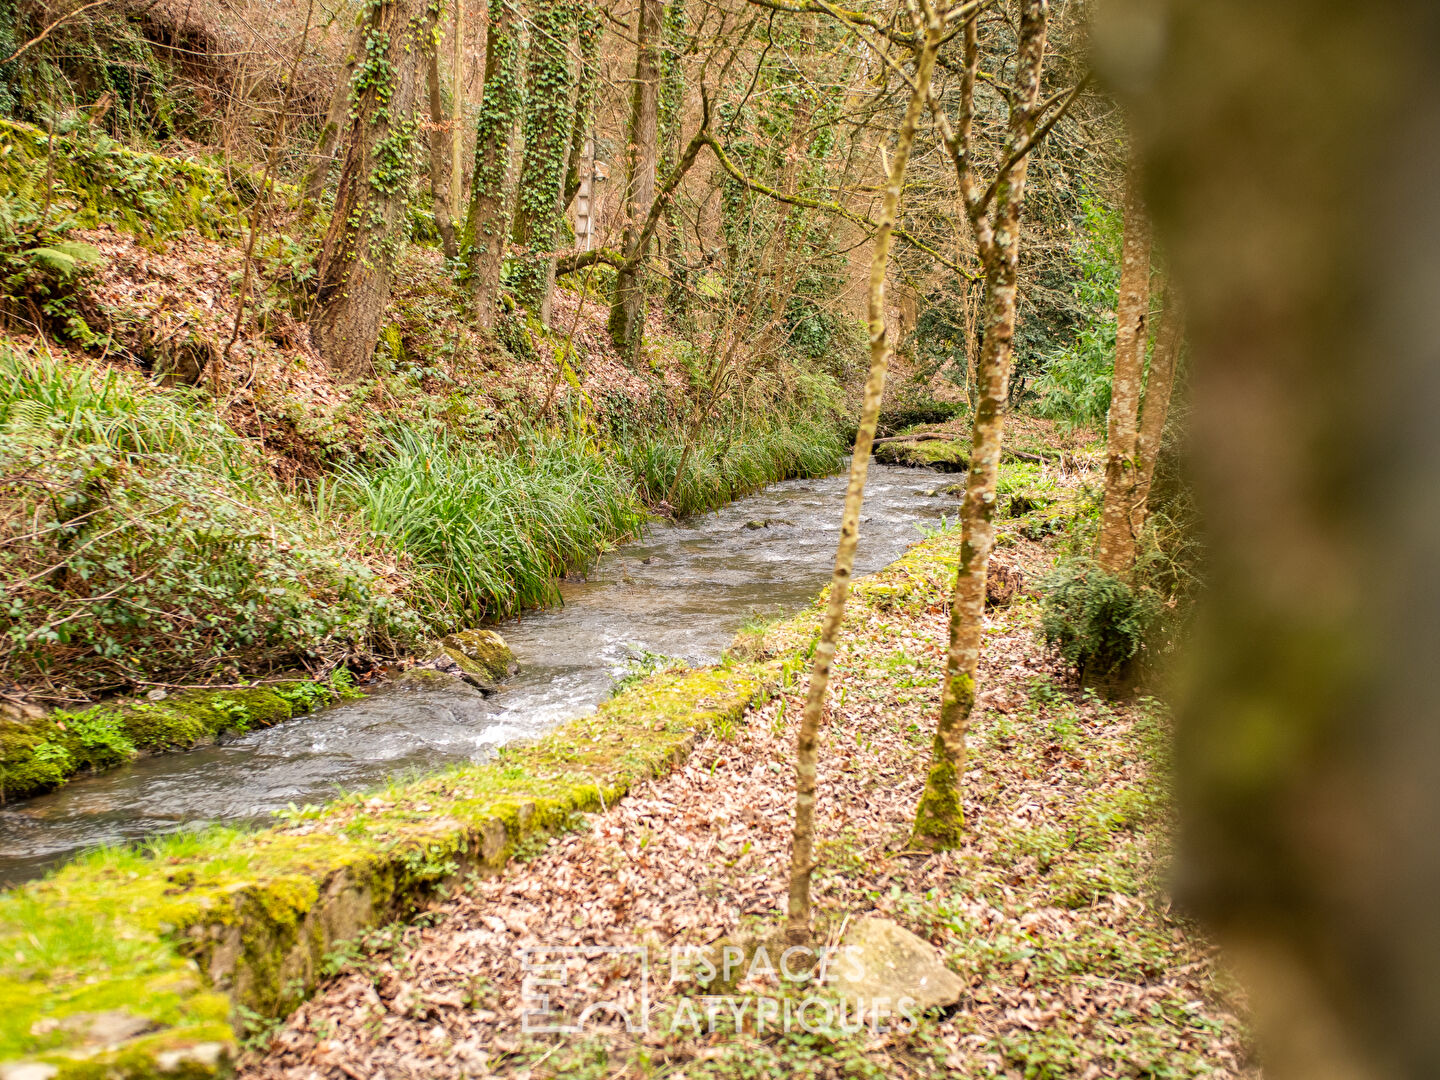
x=995 y=219
x=586 y=92
x=802 y=851
x=642 y=156
x=551 y=81
x=1115 y=546
x=441 y=136
x=1155 y=410
x=482 y=240
x=367 y=225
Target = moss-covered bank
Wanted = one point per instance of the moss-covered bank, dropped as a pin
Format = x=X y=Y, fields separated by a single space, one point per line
x=102 y=180
x=141 y=962
x=41 y=753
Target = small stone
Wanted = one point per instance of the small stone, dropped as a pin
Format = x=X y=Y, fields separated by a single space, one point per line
x=157 y=695
x=882 y=960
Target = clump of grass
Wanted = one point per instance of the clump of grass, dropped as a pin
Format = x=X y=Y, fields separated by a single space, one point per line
x=488 y=531
x=142 y=539
x=730 y=461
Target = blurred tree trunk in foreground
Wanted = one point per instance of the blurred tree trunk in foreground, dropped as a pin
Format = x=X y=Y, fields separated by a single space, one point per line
x=1292 y=154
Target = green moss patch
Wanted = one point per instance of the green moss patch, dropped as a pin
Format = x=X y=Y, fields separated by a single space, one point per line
x=39 y=755
x=946 y=455
x=103 y=180
x=172 y=944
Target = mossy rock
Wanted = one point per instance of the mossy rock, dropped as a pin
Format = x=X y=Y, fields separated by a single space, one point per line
x=944 y=455
x=483 y=657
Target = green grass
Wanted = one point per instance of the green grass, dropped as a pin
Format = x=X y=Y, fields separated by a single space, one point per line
x=729 y=462
x=144 y=540
x=488 y=530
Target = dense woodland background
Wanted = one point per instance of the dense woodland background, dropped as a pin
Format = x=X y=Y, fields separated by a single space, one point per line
x=644 y=287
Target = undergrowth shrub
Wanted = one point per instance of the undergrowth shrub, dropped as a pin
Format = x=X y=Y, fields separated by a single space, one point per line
x=143 y=540
x=1097 y=621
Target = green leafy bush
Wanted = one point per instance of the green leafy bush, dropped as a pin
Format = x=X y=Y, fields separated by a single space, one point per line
x=1074 y=386
x=1096 y=621
x=143 y=540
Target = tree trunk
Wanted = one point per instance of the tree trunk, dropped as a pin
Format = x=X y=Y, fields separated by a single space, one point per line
x=457 y=111
x=549 y=121
x=441 y=137
x=627 y=306
x=1155 y=410
x=586 y=92
x=939 y=818
x=802 y=852
x=368 y=222
x=672 y=110
x=482 y=241
x=1115 y=547
x=335 y=121
x=1294 y=179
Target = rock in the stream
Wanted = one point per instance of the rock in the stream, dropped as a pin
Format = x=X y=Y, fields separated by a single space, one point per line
x=485 y=660
x=882 y=960
x=480 y=657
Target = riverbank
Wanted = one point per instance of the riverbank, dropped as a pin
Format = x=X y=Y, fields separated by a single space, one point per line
x=188 y=496
x=1054 y=915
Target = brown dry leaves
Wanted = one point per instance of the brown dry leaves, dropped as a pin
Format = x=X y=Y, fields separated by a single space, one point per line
x=1104 y=985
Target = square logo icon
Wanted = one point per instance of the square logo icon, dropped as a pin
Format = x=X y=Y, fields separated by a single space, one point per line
x=568 y=988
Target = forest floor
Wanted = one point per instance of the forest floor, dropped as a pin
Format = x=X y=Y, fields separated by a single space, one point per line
x=1054 y=913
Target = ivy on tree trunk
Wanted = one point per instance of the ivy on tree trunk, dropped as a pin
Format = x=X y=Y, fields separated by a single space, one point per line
x=482 y=239
x=367 y=225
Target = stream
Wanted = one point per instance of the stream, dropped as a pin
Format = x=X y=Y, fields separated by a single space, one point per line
x=682 y=590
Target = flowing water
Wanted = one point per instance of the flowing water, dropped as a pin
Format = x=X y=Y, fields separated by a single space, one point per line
x=682 y=590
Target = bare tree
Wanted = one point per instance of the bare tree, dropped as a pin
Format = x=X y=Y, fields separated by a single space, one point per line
x=802 y=855
x=642 y=155
x=994 y=215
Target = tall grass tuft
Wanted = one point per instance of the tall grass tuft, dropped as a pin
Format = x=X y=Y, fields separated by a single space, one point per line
x=730 y=462
x=488 y=531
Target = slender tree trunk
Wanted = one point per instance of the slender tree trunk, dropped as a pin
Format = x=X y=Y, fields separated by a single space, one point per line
x=1155 y=410
x=482 y=241
x=335 y=121
x=939 y=818
x=549 y=121
x=442 y=134
x=802 y=853
x=368 y=223
x=457 y=109
x=1115 y=548
x=586 y=92
x=627 y=307
x=672 y=109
